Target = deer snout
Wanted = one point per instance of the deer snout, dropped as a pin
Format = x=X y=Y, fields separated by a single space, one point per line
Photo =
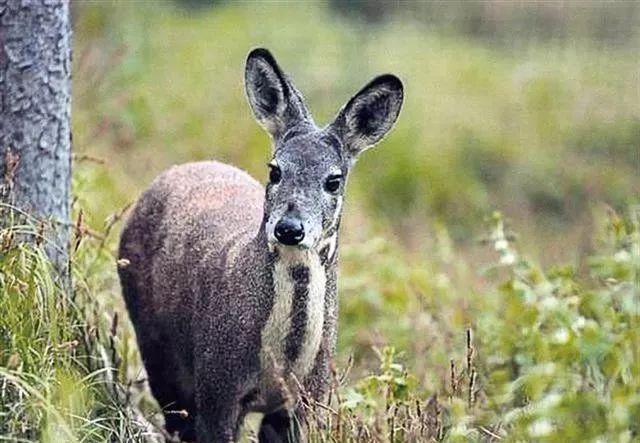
x=289 y=231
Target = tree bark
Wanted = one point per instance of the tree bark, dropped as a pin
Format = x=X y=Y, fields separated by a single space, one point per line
x=35 y=108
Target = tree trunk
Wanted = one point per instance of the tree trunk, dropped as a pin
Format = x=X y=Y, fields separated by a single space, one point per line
x=35 y=107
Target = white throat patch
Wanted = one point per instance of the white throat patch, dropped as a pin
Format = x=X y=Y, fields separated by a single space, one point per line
x=278 y=325
x=331 y=242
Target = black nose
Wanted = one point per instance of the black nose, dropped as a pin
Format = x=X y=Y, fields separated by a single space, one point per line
x=289 y=231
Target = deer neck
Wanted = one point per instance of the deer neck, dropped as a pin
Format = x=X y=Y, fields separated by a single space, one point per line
x=293 y=331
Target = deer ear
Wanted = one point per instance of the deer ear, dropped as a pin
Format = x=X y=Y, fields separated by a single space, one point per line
x=370 y=114
x=276 y=103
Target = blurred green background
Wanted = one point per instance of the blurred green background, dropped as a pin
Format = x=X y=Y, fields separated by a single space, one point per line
x=528 y=108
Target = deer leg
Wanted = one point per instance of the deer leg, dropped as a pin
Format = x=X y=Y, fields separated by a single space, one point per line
x=219 y=423
x=281 y=426
x=220 y=406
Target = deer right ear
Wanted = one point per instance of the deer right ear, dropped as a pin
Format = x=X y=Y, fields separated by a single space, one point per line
x=370 y=114
x=274 y=100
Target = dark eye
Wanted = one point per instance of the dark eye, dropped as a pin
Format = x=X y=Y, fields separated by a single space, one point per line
x=274 y=174
x=333 y=183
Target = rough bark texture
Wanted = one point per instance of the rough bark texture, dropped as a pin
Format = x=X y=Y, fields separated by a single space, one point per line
x=35 y=135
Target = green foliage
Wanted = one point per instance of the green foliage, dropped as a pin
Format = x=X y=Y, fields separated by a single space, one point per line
x=391 y=385
x=56 y=375
x=541 y=130
x=555 y=358
x=562 y=352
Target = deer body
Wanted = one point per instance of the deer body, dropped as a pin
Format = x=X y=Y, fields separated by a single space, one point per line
x=231 y=287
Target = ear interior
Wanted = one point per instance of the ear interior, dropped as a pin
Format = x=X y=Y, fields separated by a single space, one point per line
x=267 y=90
x=371 y=113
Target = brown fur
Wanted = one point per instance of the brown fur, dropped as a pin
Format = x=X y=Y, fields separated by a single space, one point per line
x=210 y=276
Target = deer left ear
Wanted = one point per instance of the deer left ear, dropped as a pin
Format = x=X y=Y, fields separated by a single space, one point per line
x=370 y=114
x=275 y=101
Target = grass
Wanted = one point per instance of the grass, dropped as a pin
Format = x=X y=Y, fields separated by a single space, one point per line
x=452 y=327
x=546 y=355
x=58 y=357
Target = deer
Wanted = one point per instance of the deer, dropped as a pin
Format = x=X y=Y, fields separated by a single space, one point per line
x=231 y=286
